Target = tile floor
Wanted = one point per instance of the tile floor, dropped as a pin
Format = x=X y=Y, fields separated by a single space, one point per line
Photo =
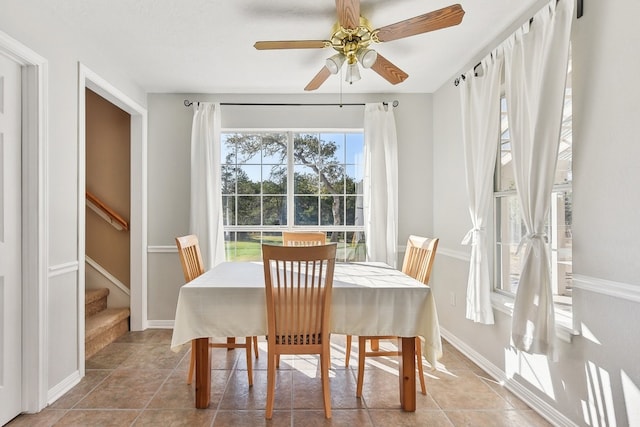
x=139 y=381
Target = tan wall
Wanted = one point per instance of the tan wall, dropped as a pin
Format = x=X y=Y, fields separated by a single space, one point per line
x=108 y=178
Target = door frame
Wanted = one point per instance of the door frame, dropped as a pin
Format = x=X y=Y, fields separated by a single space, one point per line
x=87 y=79
x=35 y=224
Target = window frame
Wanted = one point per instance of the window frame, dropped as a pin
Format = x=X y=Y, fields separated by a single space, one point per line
x=346 y=232
x=503 y=300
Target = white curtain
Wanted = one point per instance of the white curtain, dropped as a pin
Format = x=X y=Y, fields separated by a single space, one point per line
x=380 y=190
x=535 y=73
x=480 y=98
x=205 y=220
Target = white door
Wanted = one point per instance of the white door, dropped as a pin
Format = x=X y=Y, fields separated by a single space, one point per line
x=10 y=241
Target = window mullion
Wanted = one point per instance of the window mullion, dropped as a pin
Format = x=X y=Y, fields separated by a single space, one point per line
x=290 y=181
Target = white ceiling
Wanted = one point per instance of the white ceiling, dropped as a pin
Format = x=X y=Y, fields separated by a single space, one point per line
x=206 y=46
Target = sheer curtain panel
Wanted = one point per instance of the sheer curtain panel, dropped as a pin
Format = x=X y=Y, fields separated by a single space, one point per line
x=535 y=74
x=205 y=220
x=380 y=183
x=480 y=99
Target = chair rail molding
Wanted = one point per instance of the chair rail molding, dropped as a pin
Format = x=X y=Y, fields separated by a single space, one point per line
x=161 y=249
x=625 y=291
x=453 y=253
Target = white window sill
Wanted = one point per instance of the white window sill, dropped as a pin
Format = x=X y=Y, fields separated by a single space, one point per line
x=564 y=320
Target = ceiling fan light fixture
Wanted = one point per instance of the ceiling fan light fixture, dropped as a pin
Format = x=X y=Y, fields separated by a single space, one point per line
x=367 y=57
x=353 y=73
x=335 y=62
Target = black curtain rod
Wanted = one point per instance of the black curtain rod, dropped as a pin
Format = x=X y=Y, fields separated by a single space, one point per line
x=188 y=103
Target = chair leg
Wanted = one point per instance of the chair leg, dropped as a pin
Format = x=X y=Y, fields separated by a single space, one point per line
x=347 y=351
x=278 y=361
x=423 y=386
x=271 y=383
x=326 y=390
x=192 y=362
x=255 y=346
x=249 y=360
x=362 y=343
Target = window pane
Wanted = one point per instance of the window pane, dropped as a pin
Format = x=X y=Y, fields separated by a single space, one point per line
x=274 y=179
x=354 y=214
x=506 y=180
x=354 y=148
x=256 y=192
x=306 y=149
x=511 y=229
x=249 y=179
x=228 y=177
x=331 y=210
x=306 y=209
x=274 y=210
x=229 y=210
x=561 y=242
x=306 y=180
x=248 y=210
x=353 y=179
x=243 y=246
x=274 y=148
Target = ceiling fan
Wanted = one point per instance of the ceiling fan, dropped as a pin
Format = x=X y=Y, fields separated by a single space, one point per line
x=352 y=35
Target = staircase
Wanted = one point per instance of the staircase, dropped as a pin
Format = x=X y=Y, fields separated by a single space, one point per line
x=102 y=325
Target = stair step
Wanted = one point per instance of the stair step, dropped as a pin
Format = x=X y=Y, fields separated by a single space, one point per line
x=103 y=328
x=95 y=301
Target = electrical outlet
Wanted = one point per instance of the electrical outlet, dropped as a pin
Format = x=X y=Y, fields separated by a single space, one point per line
x=452 y=298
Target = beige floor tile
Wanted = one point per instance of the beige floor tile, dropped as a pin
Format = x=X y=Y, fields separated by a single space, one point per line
x=97 y=418
x=316 y=418
x=90 y=381
x=125 y=389
x=431 y=418
x=175 y=418
x=509 y=418
x=244 y=418
x=44 y=418
x=139 y=381
x=462 y=389
x=175 y=393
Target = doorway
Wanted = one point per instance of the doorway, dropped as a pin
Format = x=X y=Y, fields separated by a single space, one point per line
x=138 y=196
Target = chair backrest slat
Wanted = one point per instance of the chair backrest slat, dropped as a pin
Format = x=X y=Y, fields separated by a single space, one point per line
x=298 y=283
x=190 y=256
x=419 y=257
x=303 y=238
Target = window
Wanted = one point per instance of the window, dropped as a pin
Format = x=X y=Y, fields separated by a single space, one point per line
x=287 y=180
x=509 y=227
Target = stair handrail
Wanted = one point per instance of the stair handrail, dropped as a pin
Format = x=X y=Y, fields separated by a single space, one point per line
x=106 y=213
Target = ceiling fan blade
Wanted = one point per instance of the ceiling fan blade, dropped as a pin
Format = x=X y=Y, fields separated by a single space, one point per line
x=388 y=71
x=348 y=13
x=436 y=20
x=292 y=44
x=319 y=78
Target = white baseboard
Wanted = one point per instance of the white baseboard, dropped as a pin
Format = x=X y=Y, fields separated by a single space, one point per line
x=62 y=387
x=160 y=324
x=547 y=411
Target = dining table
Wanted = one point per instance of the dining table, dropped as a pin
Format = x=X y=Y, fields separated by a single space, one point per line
x=368 y=298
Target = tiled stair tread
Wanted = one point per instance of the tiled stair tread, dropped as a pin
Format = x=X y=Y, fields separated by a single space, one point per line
x=103 y=321
x=92 y=295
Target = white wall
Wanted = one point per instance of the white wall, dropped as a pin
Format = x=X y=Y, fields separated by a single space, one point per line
x=49 y=36
x=596 y=380
x=169 y=140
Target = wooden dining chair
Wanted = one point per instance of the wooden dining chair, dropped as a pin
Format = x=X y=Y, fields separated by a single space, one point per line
x=311 y=238
x=417 y=263
x=303 y=238
x=192 y=267
x=298 y=285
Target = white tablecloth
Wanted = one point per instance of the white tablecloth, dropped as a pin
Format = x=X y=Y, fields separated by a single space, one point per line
x=368 y=299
